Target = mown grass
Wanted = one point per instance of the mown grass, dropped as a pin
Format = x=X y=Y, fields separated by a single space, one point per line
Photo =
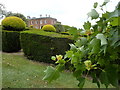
x=19 y=72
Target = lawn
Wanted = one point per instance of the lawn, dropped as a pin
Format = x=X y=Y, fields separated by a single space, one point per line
x=19 y=72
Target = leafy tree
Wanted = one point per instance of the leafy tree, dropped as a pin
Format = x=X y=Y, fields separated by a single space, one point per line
x=17 y=15
x=2 y=11
x=97 y=54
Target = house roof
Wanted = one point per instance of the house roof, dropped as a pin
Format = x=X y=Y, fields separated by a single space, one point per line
x=34 y=18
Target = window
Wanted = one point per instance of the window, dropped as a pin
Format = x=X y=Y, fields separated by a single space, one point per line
x=36 y=27
x=52 y=21
x=40 y=27
x=32 y=22
x=40 y=21
x=45 y=21
x=36 y=22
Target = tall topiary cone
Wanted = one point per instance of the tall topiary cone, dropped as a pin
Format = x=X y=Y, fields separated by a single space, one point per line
x=49 y=28
x=13 y=23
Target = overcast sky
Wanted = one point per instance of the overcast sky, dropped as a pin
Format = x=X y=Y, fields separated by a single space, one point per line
x=69 y=12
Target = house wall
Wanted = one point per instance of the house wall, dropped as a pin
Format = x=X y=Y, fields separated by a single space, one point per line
x=39 y=22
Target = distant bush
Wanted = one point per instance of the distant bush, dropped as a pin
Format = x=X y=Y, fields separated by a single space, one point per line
x=59 y=28
x=10 y=41
x=67 y=28
x=49 y=27
x=40 y=45
x=31 y=26
x=13 y=23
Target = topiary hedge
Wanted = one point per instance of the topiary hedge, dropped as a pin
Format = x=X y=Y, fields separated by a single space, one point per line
x=13 y=23
x=49 y=28
x=10 y=41
x=41 y=45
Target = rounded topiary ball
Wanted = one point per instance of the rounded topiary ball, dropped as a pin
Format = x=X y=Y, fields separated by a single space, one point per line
x=13 y=23
x=49 y=27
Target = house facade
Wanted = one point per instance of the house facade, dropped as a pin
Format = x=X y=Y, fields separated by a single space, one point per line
x=38 y=23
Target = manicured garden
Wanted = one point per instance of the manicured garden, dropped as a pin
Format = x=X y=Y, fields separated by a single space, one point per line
x=58 y=56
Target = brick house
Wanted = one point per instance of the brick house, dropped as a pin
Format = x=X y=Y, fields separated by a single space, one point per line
x=38 y=23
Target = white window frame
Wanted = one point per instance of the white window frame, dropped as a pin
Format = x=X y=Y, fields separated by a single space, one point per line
x=36 y=22
x=45 y=21
x=41 y=22
x=32 y=22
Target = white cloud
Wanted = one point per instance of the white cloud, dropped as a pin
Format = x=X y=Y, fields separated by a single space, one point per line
x=70 y=12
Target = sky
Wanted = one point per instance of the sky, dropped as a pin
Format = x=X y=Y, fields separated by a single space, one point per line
x=68 y=12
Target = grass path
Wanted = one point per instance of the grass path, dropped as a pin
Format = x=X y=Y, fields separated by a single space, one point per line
x=19 y=72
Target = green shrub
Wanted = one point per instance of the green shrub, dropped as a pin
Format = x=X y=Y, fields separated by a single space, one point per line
x=31 y=26
x=40 y=45
x=59 y=28
x=13 y=23
x=65 y=33
x=49 y=27
x=10 y=41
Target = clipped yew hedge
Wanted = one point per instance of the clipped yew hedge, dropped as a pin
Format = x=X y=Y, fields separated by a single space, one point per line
x=10 y=41
x=40 y=45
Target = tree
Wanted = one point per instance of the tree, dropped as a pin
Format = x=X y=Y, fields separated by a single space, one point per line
x=2 y=11
x=17 y=15
x=97 y=54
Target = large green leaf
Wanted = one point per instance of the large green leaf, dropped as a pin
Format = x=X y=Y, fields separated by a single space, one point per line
x=95 y=79
x=102 y=38
x=74 y=60
x=77 y=73
x=115 y=13
x=95 y=5
x=105 y=2
x=109 y=76
x=73 y=31
x=81 y=41
x=115 y=21
x=95 y=45
x=69 y=54
x=87 y=25
x=115 y=38
x=104 y=78
x=81 y=82
x=73 y=47
x=51 y=74
x=93 y=14
x=112 y=75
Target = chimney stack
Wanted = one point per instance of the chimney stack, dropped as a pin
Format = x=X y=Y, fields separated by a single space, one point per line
x=40 y=15
x=28 y=17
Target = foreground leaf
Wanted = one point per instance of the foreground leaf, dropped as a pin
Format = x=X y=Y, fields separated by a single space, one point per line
x=102 y=38
x=104 y=78
x=81 y=82
x=93 y=14
x=51 y=74
x=105 y=2
x=95 y=5
x=95 y=45
x=87 y=25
